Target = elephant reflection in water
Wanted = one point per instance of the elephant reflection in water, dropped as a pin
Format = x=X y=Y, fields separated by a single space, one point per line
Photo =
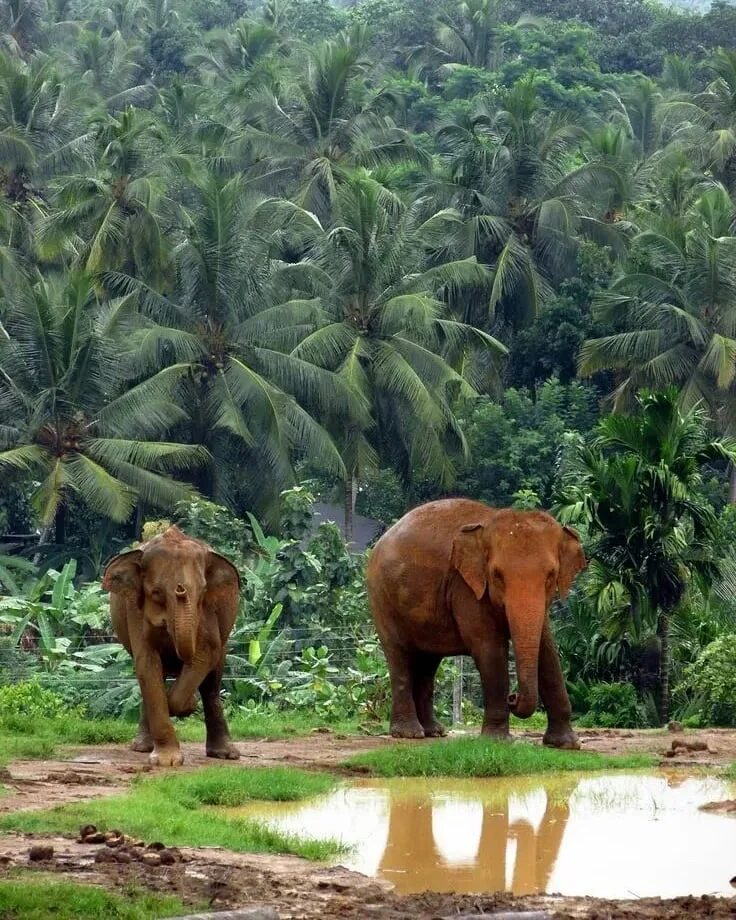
x=412 y=860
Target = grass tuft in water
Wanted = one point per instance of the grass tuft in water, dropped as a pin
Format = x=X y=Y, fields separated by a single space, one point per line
x=38 y=898
x=477 y=757
x=171 y=809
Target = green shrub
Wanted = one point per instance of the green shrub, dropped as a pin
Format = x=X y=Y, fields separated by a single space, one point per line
x=613 y=705
x=28 y=699
x=712 y=678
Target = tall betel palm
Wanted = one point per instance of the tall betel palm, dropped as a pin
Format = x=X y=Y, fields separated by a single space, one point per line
x=680 y=311
x=386 y=331
x=637 y=491
x=71 y=419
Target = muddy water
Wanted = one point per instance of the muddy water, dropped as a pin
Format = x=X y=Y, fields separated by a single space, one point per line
x=611 y=836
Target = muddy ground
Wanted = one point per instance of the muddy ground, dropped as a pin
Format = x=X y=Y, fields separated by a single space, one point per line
x=295 y=887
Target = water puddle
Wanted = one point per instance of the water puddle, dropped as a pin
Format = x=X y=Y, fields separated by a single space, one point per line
x=609 y=836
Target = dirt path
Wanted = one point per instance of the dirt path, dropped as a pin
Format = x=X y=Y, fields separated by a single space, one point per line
x=295 y=887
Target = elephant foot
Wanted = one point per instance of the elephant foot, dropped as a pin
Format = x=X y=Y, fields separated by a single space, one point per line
x=496 y=732
x=166 y=757
x=564 y=738
x=142 y=743
x=407 y=730
x=434 y=730
x=223 y=750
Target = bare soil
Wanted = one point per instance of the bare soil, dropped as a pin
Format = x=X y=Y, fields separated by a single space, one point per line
x=295 y=887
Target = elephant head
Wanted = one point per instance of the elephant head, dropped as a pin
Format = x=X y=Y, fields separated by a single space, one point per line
x=522 y=558
x=174 y=579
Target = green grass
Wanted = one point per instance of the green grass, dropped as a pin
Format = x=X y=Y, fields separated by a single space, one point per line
x=481 y=757
x=22 y=738
x=32 y=898
x=268 y=724
x=171 y=809
x=31 y=739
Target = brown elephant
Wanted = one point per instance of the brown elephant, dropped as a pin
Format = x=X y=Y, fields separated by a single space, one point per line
x=456 y=577
x=173 y=604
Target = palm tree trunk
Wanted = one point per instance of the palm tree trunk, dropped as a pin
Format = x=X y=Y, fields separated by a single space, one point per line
x=732 y=485
x=663 y=633
x=350 y=490
x=138 y=524
x=60 y=528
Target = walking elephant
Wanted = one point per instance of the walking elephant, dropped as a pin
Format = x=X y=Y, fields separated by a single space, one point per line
x=173 y=603
x=456 y=577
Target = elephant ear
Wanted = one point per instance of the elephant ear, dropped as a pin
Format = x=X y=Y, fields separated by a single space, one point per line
x=572 y=561
x=123 y=574
x=222 y=596
x=469 y=558
x=221 y=573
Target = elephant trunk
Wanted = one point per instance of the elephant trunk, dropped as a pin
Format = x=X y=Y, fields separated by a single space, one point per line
x=185 y=625
x=526 y=631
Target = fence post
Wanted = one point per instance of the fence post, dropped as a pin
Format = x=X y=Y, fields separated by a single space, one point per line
x=457 y=693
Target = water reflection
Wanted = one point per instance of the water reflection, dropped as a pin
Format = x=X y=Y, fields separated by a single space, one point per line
x=610 y=836
x=504 y=852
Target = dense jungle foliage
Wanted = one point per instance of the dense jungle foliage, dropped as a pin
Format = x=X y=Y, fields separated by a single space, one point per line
x=377 y=253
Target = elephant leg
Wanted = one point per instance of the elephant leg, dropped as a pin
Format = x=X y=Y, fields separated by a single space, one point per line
x=424 y=671
x=183 y=693
x=554 y=696
x=404 y=720
x=218 y=736
x=149 y=671
x=143 y=742
x=492 y=661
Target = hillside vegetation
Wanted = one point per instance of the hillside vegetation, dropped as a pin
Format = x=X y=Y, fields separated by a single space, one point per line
x=376 y=253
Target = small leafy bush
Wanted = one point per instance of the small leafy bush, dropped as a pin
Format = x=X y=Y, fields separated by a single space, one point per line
x=28 y=699
x=613 y=705
x=712 y=677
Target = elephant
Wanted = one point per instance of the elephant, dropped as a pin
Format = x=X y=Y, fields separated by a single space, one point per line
x=456 y=577
x=173 y=603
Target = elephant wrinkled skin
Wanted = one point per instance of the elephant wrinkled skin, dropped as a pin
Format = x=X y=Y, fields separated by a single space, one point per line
x=456 y=577
x=173 y=603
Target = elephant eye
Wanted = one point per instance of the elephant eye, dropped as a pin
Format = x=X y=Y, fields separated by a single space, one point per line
x=497 y=575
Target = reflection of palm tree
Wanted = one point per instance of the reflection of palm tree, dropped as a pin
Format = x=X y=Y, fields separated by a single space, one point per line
x=412 y=860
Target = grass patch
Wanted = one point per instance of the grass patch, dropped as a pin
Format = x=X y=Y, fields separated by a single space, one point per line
x=34 y=898
x=266 y=724
x=481 y=757
x=170 y=809
x=22 y=738
x=218 y=786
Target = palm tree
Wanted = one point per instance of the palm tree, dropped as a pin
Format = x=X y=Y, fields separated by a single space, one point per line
x=386 y=331
x=21 y=21
x=71 y=419
x=251 y=404
x=107 y=63
x=507 y=170
x=637 y=491
x=243 y=53
x=108 y=218
x=40 y=132
x=472 y=34
x=323 y=123
x=679 y=310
